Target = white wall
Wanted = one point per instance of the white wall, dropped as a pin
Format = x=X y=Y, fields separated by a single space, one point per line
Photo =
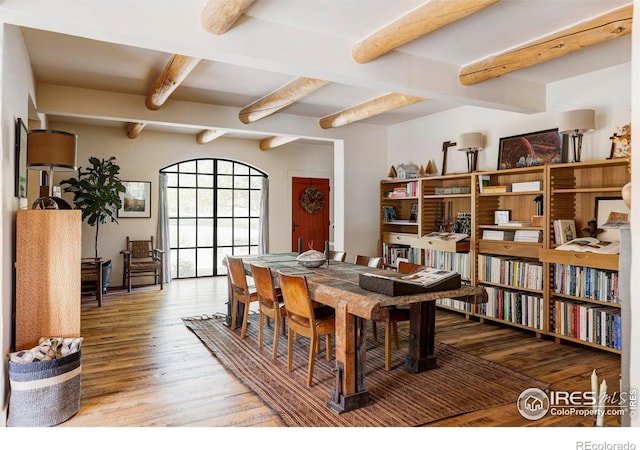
x=17 y=84
x=606 y=91
x=141 y=159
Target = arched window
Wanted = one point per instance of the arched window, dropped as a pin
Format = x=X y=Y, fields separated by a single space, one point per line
x=214 y=211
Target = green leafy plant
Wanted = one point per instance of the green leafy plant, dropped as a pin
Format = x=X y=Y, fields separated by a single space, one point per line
x=96 y=192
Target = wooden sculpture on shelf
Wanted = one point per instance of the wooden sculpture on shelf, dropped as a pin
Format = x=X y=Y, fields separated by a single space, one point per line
x=392 y=172
x=431 y=168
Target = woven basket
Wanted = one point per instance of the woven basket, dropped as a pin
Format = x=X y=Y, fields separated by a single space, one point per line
x=44 y=393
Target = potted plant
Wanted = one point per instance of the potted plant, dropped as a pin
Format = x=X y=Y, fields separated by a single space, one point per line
x=96 y=192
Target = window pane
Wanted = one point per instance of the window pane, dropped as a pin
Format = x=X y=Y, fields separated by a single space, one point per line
x=174 y=263
x=173 y=233
x=255 y=203
x=221 y=269
x=241 y=204
x=225 y=167
x=205 y=232
x=225 y=181
x=187 y=180
x=205 y=202
x=255 y=228
x=205 y=262
x=225 y=232
x=187 y=263
x=240 y=169
x=205 y=166
x=172 y=202
x=256 y=182
x=187 y=202
x=189 y=166
x=172 y=179
x=241 y=232
x=241 y=182
x=225 y=203
x=187 y=233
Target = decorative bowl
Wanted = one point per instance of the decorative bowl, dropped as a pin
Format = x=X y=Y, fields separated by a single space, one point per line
x=311 y=258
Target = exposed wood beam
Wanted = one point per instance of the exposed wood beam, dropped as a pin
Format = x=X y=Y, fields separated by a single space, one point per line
x=175 y=71
x=134 y=129
x=276 y=141
x=280 y=98
x=218 y=16
x=612 y=25
x=368 y=109
x=424 y=19
x=206 y=136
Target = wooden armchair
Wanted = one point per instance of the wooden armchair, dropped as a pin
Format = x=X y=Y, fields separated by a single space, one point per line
x=142 y=259
x=91 y=277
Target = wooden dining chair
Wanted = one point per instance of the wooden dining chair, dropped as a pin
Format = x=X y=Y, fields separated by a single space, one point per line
x=337 y=256
x=370 y=261
x=304 y=320
x=271 y=304
x=241 y=293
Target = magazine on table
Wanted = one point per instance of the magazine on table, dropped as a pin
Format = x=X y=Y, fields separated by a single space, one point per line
x=589 y=244
x=429 y=276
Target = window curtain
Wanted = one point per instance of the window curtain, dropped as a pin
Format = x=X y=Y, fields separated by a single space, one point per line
x=162 y=233
x=263 y=234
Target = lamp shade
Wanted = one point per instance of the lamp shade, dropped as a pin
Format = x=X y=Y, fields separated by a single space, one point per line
x=51 y=150
x=470 y=141
x=577 y=121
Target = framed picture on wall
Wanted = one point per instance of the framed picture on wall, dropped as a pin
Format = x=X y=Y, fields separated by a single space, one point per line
x=136 y=200
x=21 y=159
x=532 y=149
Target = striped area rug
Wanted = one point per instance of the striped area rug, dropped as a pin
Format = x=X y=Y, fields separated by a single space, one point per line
x=461 y=384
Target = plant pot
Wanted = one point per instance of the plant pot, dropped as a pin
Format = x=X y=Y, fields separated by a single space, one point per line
x=106 y=275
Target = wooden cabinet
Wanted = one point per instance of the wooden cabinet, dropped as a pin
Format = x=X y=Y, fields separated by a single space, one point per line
x=48 y=253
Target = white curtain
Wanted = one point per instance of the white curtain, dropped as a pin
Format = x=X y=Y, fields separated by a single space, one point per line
x=263 y=235
x=162 y=233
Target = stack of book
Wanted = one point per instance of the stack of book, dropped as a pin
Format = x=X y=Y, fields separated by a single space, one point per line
x=526 y=186
x=528 y=236
x=398 y=192
x=496 y=189
x=498 y=235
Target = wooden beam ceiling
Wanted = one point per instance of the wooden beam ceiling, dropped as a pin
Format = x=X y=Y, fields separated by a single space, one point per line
x=276 y=141
x=206 y=136
x=280 y=98
x=368 y=109
x=178 y=67
x=218 y=16
x=134 y=129
x=612 y=25
x=424 y=19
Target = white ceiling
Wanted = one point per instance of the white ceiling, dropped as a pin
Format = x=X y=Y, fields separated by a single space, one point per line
x=122 y=46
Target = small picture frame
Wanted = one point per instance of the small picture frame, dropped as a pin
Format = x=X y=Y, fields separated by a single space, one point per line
x=532 y=149
x=501 y=217
x=21 y=159
x=136 y=200
x=610 y=209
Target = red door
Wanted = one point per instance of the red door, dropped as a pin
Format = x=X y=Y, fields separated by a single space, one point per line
x=310 y=213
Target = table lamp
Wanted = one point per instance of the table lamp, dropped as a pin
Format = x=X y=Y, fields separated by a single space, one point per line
x=576 y=123
x=471 y=143
x=50 y=151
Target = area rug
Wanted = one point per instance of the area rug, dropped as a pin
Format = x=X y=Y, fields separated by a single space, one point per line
x=462 y=383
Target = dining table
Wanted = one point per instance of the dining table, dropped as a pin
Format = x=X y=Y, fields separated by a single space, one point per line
x=337 y=284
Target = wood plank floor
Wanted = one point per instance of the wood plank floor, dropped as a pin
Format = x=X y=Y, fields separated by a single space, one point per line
x=142 y=367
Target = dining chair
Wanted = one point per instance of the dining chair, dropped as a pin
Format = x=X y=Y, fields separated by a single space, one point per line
x=241 y=293
x=271 y=304
x=305 y=320
x=337 y=256
x=370 y=261
x=142 y=259
x=396 y=315
x=91 y=277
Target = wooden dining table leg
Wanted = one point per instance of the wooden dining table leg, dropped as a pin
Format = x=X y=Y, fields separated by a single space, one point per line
x=350 y=391
x=422 y=338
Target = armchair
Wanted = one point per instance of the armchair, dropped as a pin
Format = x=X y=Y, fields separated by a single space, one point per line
x=142 y=259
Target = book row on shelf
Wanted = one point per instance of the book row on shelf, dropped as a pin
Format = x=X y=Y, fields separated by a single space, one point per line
x=408 y=190
x=515 y=272
x=458 y=262
x=509 y=235
x=455 y=304
x=587 y=322
x=586 y=282
x=517 y=307
x=391 y=253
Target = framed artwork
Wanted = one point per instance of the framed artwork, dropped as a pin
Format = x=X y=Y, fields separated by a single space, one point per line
x=532 y=149
x=136 y=200
x=610 y=209
x=21 y=159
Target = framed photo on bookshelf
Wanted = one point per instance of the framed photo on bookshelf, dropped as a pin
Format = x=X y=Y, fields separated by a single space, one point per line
x=610 y=209
x=532 y=149
x=564 y=230
x=136 y=200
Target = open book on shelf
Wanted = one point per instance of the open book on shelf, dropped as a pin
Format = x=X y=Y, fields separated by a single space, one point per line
x=589 y=244
x=443 y=236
